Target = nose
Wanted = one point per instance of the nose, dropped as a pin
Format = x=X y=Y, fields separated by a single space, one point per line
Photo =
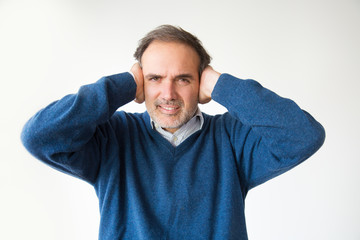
x=168 y=90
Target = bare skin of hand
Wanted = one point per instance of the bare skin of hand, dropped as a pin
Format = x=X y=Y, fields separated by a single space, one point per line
x=208 y=80
x=139 y=79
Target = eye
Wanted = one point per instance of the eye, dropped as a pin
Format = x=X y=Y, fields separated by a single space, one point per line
x=183 y=80
x=155 y=78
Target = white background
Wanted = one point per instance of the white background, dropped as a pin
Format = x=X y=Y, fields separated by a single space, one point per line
x=307 y=50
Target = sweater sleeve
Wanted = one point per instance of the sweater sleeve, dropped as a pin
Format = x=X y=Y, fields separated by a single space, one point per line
x=279 y=134
x=66 y=134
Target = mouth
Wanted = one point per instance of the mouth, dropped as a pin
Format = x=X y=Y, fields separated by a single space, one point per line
x=169 y=109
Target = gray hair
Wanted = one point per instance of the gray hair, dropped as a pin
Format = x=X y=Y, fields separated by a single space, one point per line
x=169 y=33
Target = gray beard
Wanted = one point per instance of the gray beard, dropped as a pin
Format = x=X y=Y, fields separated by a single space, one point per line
x=178 y=123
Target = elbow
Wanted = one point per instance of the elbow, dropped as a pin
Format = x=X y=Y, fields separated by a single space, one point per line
x=27 y=138
x=304 y=142
x=30 y=140
x=318 y=137
x=313 y=138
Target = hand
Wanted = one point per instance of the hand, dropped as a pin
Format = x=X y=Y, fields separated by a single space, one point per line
x=208 y=81
x=139 y=79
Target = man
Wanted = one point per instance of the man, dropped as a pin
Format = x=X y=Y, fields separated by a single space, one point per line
x=172 y=172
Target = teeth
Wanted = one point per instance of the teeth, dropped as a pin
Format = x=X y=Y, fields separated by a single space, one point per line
x=168 y=108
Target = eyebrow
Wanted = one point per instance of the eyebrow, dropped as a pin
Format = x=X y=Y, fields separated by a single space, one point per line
x=152 y=75
x=183 y=75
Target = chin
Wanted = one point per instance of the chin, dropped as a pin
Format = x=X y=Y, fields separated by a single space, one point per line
x=169 y=124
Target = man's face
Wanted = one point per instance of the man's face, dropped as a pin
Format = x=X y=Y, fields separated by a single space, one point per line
x=171 y=83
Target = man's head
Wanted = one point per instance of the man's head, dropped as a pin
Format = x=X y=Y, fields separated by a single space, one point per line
x=172 y=61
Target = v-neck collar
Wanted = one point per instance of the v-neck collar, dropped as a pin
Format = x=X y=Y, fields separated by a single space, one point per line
x=185 y=131
x=160 y=139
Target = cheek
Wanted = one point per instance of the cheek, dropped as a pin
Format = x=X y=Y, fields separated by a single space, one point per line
x=149 y=92
x=191 y=97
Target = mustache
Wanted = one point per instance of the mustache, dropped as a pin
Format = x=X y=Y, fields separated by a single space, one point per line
x=177 y=103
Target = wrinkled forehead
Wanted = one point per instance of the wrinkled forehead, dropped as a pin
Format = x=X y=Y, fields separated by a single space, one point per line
x=174 y=57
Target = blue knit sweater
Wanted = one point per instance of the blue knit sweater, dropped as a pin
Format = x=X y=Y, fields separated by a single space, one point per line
x=147 y=188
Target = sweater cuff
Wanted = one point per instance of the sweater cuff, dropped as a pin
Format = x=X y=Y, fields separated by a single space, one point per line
x=224 y=89
x=122 y=89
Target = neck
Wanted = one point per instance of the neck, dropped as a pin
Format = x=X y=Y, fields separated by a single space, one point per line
x=171 y=130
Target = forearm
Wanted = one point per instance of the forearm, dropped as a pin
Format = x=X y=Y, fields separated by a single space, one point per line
x=67 y=125
x=282 y=135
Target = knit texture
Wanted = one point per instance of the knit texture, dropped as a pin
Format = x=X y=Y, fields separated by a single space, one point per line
x=149 y=189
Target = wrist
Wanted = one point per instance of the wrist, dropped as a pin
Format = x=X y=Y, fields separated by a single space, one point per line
x=137 y=74
x=209 y=78
x=213 y=78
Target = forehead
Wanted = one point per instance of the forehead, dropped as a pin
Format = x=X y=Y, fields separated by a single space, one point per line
x=170 y=56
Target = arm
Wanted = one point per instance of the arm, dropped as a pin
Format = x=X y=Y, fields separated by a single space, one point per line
x=280 y=136
x=68 y=135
